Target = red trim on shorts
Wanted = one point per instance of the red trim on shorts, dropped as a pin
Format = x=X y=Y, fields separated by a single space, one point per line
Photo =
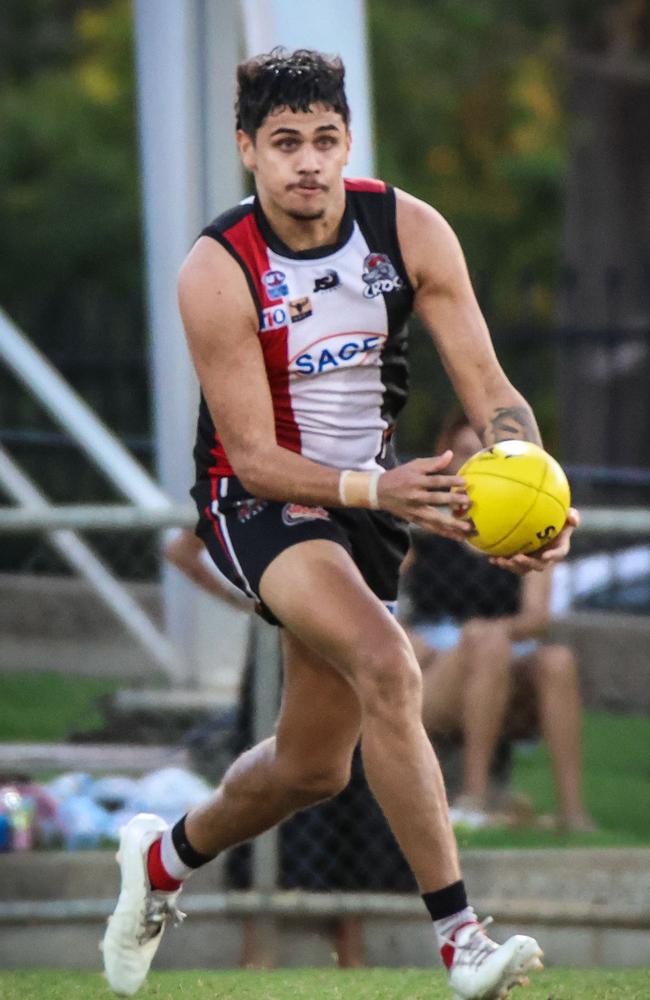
x=219 y=534
x=214 y=489
x=364 y=184
x=214 y=520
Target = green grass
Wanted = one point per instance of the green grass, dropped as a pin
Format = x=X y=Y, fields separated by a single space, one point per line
x=48 y=706
x=616 y=770
x=317 y=984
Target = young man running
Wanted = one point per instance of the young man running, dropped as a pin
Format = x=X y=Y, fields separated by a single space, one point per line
x=295 y=304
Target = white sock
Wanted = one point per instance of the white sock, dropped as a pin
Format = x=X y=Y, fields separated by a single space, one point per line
x=445 y=928
x=172 y=864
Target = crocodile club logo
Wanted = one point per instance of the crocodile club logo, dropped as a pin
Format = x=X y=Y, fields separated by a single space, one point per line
x=379 y=276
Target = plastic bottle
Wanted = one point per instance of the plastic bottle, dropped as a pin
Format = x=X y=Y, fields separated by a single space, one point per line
x=18 y=810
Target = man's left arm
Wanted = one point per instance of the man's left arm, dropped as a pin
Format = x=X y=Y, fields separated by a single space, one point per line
x=446 y=304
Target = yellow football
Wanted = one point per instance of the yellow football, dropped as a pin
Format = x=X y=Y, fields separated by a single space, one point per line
x=519 y=498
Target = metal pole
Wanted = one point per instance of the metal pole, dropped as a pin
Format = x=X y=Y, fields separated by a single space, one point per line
x=266 y=702
x=72 y=413
x=91 y=517
x=185 y=65
x=84 y=561
x=265 y=860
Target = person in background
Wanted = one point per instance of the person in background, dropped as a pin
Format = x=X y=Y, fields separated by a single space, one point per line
x=188 y=554
x=478 y=632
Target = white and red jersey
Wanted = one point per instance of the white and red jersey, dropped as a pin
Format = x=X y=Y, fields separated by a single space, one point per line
x=332 y=325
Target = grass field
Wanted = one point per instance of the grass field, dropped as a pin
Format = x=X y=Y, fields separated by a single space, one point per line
x=316 y=984
x=48 y=706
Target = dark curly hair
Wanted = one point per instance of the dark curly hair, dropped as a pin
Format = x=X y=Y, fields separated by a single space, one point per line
x=295 y=80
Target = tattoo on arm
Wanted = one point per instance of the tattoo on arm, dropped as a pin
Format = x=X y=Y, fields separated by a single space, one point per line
x=510 y=422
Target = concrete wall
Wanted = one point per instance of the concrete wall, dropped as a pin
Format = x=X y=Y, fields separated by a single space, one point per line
x=587 y=907
x=613 y=652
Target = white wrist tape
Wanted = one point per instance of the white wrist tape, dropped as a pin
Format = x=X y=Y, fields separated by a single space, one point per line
x=373 y=485
x=342 y=480
x=359 y=489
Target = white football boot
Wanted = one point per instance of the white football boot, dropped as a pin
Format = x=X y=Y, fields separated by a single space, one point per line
x=136 y=927
x=484 y=970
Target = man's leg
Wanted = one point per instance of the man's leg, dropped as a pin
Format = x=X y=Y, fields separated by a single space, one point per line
x=458 y=684
x=485 y=655
x=554 y=674
x=307 y=760
x=442 y=689
x=329 y=607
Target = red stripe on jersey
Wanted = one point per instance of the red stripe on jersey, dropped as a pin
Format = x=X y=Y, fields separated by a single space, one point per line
x=222 y=466
x=248 y=242
x=364 y=184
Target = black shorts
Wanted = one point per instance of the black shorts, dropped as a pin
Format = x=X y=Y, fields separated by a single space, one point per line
x=244 y=534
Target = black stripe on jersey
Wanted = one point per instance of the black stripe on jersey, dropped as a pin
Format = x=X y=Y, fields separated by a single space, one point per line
x=217 y=231
x=376 y=214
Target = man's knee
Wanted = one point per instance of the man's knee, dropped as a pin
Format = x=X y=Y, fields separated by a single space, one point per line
x=557 y=664
x=485 y=646
x=389 y=680
x=307 y=782
x=485 y=632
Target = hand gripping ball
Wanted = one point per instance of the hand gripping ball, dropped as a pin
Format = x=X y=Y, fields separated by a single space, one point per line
x=519 y=498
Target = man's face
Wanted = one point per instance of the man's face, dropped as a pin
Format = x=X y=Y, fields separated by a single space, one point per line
x=297 y=158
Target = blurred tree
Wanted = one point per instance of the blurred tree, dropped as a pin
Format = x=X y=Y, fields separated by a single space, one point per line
x=605 y=405
x=69 y=199
x=70 y=240
x=528 y=126
x=469 y=116
x=476 y=105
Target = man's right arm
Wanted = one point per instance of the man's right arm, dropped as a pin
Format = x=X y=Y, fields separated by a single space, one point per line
x=221 y=325
x=222 y=333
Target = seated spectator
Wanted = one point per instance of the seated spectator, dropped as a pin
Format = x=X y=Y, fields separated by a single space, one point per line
x=478 y=632
x=188 y=553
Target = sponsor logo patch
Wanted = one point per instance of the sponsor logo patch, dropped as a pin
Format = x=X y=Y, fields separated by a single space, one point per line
x=352 y=352
x=275 y=283
x=379 y=276
x=247 y=509
x=274 y=318
x=300 y=309
x=296 y=513
x=327 y=281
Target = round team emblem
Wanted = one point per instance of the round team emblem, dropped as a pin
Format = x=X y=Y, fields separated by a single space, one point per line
x=379 y=275
x=275 y=283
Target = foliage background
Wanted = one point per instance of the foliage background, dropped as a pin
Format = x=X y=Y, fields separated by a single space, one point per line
x=470 y=114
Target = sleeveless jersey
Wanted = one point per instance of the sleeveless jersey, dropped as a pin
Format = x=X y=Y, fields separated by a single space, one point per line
x=332 y=326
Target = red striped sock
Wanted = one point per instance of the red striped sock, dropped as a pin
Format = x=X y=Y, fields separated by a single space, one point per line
x=159 y=878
